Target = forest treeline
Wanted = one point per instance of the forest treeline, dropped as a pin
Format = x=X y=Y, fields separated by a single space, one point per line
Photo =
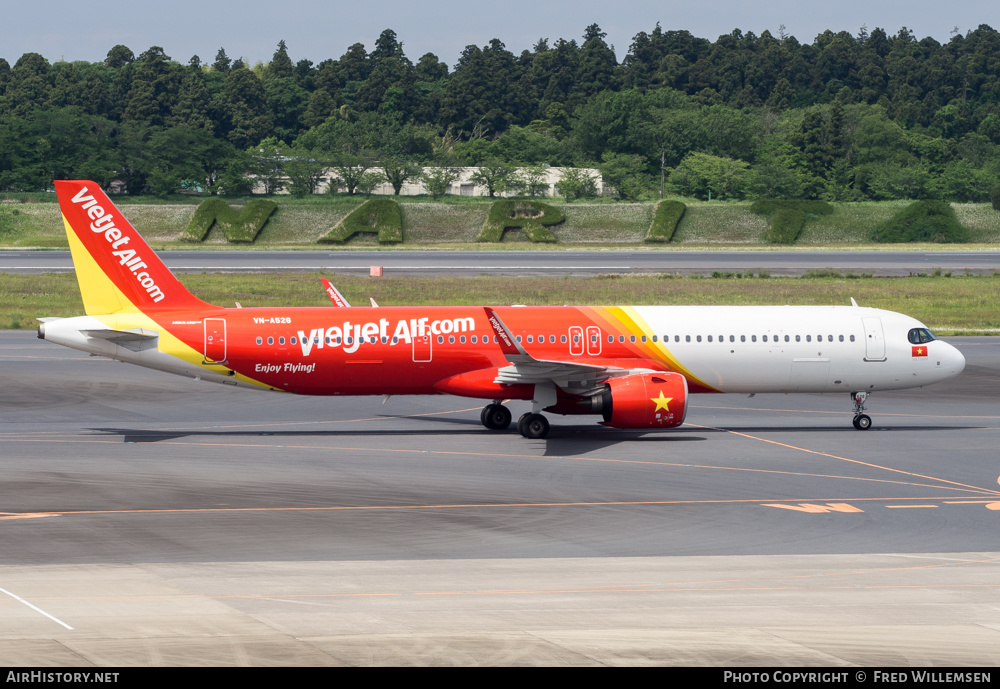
x=846 y=117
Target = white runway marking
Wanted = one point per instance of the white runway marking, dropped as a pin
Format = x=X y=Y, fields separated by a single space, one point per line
x=35 y=608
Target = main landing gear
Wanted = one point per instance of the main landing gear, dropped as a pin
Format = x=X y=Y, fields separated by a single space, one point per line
x=496 y=417
x=862 y=422
x=533 y=426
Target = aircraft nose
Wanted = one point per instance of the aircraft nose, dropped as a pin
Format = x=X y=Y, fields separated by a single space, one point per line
x=953 y=360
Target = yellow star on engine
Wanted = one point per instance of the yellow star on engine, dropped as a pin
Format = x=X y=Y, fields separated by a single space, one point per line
x=662 y=402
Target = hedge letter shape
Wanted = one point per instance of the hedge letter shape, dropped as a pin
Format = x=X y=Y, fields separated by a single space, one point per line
x=241 y=228
x=502 y=217
x=377 y=215
x=786 y=217
x=923 y=221
x=666 y=217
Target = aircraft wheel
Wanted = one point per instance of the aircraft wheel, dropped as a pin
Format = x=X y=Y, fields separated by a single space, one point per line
x=862 y=422
x=520 y=425
x=533 y=426
x=495 y=417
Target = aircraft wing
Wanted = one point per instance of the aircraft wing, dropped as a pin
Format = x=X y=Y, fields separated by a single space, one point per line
x=524 y=368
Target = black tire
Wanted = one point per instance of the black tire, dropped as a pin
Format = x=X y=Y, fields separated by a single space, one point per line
x=862 y=422
x=495 y=417
x=521 y=425
x=535 y=426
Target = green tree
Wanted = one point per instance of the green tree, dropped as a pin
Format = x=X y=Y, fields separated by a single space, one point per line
x=706 y=176
x=280 y=66
x=287 y=103
x=245 y=105
x=397 y=171
x=576 y=183
x=267 y=165
x=438 y=180
x=625 y=174
x=533 y=180
x=29 y=84
x=368 y=182
x=495 y=176
x=62 y=143
x=620 y=123
x=351 y=170
x=305 y=171
x=222 y=62
x=182 y=153
x=154 y=88
x=481 y=91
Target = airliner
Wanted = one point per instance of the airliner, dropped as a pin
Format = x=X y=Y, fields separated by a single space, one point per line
x=630 y=366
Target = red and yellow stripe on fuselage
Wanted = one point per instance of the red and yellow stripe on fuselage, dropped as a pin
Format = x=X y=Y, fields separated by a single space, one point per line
x=264 y=346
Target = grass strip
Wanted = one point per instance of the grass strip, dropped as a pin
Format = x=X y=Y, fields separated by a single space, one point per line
x=948 y=305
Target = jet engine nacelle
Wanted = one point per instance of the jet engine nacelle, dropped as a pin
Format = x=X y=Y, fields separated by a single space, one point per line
x=645 y=400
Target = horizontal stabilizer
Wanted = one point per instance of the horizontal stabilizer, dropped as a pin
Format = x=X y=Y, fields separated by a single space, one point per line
x=135 y=339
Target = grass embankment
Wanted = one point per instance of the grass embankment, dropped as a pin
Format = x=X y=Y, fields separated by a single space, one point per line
x=948 y=305
x=299 y=223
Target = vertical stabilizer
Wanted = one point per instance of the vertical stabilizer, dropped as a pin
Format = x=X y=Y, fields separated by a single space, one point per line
x=116 y=269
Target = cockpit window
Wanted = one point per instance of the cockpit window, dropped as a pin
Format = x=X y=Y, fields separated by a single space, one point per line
x=920 y=336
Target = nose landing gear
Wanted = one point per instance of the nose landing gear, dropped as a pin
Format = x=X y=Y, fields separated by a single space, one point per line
x=862 y=421
x=495 y=417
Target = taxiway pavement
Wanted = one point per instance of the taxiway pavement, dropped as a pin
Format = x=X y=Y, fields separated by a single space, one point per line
x=153 y=520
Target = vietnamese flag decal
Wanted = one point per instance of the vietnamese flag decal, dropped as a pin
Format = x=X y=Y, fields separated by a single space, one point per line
x=919 y=351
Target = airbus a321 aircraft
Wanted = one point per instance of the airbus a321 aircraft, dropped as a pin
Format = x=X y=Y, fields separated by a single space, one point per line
x=633 y=366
